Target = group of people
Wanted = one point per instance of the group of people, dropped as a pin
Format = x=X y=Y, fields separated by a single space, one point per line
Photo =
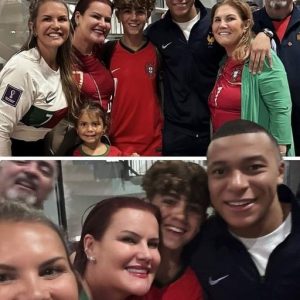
x=164 y=246
x=162 y=91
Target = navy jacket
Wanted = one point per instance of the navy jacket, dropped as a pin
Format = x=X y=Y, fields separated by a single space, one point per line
x=189 y=70
x=289 y=52
x=226 y=270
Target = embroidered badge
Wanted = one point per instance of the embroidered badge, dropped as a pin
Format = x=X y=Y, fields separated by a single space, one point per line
x=11 y=95
x=150 y=70
x=210 y=39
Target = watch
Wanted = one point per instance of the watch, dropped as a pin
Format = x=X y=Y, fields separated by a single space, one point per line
x=269 y=33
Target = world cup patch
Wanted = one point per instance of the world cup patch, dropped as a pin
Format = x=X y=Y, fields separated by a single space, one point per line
x=11 y=95
x=150 y=69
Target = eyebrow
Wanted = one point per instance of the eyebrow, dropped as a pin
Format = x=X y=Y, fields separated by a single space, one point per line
x=52 y=261
x=5 y=267
x=136 y=234
x=246 y=159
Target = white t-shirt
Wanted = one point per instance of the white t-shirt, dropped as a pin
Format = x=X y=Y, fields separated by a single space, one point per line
x=261 y=248
x=32 y=101
x=186 y=27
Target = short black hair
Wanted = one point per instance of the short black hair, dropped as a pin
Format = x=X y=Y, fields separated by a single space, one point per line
x=240 y=126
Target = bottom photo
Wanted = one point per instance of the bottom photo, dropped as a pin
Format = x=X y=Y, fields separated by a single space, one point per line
x=225 y=227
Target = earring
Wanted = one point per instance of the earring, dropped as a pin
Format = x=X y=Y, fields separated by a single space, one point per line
x=92 y=259
x=35 y=34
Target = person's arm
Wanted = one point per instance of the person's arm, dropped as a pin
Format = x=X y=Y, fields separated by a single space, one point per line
x=274 y=89
x=16 y=97
x=260 y=49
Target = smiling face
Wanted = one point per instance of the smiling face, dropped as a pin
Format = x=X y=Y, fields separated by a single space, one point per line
x=44 y=274
x=127 y=255
x=94 y=24
x=228 y=27
x=51 y=27
x=133 y=20
x=243 y=173
x=180 y=219
x=90 y=128
x=182 y=10
x=29 y=181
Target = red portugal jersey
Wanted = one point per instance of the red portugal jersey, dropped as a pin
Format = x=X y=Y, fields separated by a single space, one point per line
x=186 y=287
x=136 y=120
x=225 y=99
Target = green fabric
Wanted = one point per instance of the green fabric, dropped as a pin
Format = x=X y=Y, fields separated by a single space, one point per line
x=266 y=100
x=83 y=296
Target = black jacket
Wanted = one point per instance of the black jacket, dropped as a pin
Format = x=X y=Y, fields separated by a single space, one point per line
x=227 y=272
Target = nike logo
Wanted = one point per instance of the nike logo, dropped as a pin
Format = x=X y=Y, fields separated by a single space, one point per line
x=216 y=281
x=49 y=100
x=166 y=45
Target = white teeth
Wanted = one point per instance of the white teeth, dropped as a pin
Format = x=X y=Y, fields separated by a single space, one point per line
x=137 y=270
x=224 y=33
x=54 y=34
x=176 y=229
x=239 y=203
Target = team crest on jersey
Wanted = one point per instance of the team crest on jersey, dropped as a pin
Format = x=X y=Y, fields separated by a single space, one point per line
x=150 y=69
x=210 y=39
x=11 y=95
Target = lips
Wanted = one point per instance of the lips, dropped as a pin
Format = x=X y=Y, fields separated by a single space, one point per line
x=27 y=184
x=240 y=205
x=176 y=229
x=55 y=34
x=138 y=271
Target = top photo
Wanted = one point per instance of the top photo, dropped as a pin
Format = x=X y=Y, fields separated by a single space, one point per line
x=146 y=78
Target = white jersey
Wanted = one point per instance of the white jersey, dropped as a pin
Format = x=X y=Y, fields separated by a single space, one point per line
x=32 y=101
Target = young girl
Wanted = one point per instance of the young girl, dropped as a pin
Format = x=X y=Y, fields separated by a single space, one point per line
x=91 y=126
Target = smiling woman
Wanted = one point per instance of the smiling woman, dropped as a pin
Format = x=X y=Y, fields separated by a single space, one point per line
x=92 y=22
x=118 y=251
x=263 y=98
x=46 y=273
x=36 y=85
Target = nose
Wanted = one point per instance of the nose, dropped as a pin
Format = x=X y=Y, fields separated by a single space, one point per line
x=180 y=210
x=55 y=24
x=32 y=288
x=133 y=14
x=223 y=23
x=144 y=252
x=31 y=169
x=238 y=180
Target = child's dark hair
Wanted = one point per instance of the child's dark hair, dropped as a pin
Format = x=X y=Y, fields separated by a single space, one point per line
x=92 y=107
x=146 y=4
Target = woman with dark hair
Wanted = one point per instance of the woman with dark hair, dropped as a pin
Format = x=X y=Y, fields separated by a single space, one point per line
x=91 y=22
x=263 y=98
x=118 y=251
x=36 y=85
x=46 y=271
